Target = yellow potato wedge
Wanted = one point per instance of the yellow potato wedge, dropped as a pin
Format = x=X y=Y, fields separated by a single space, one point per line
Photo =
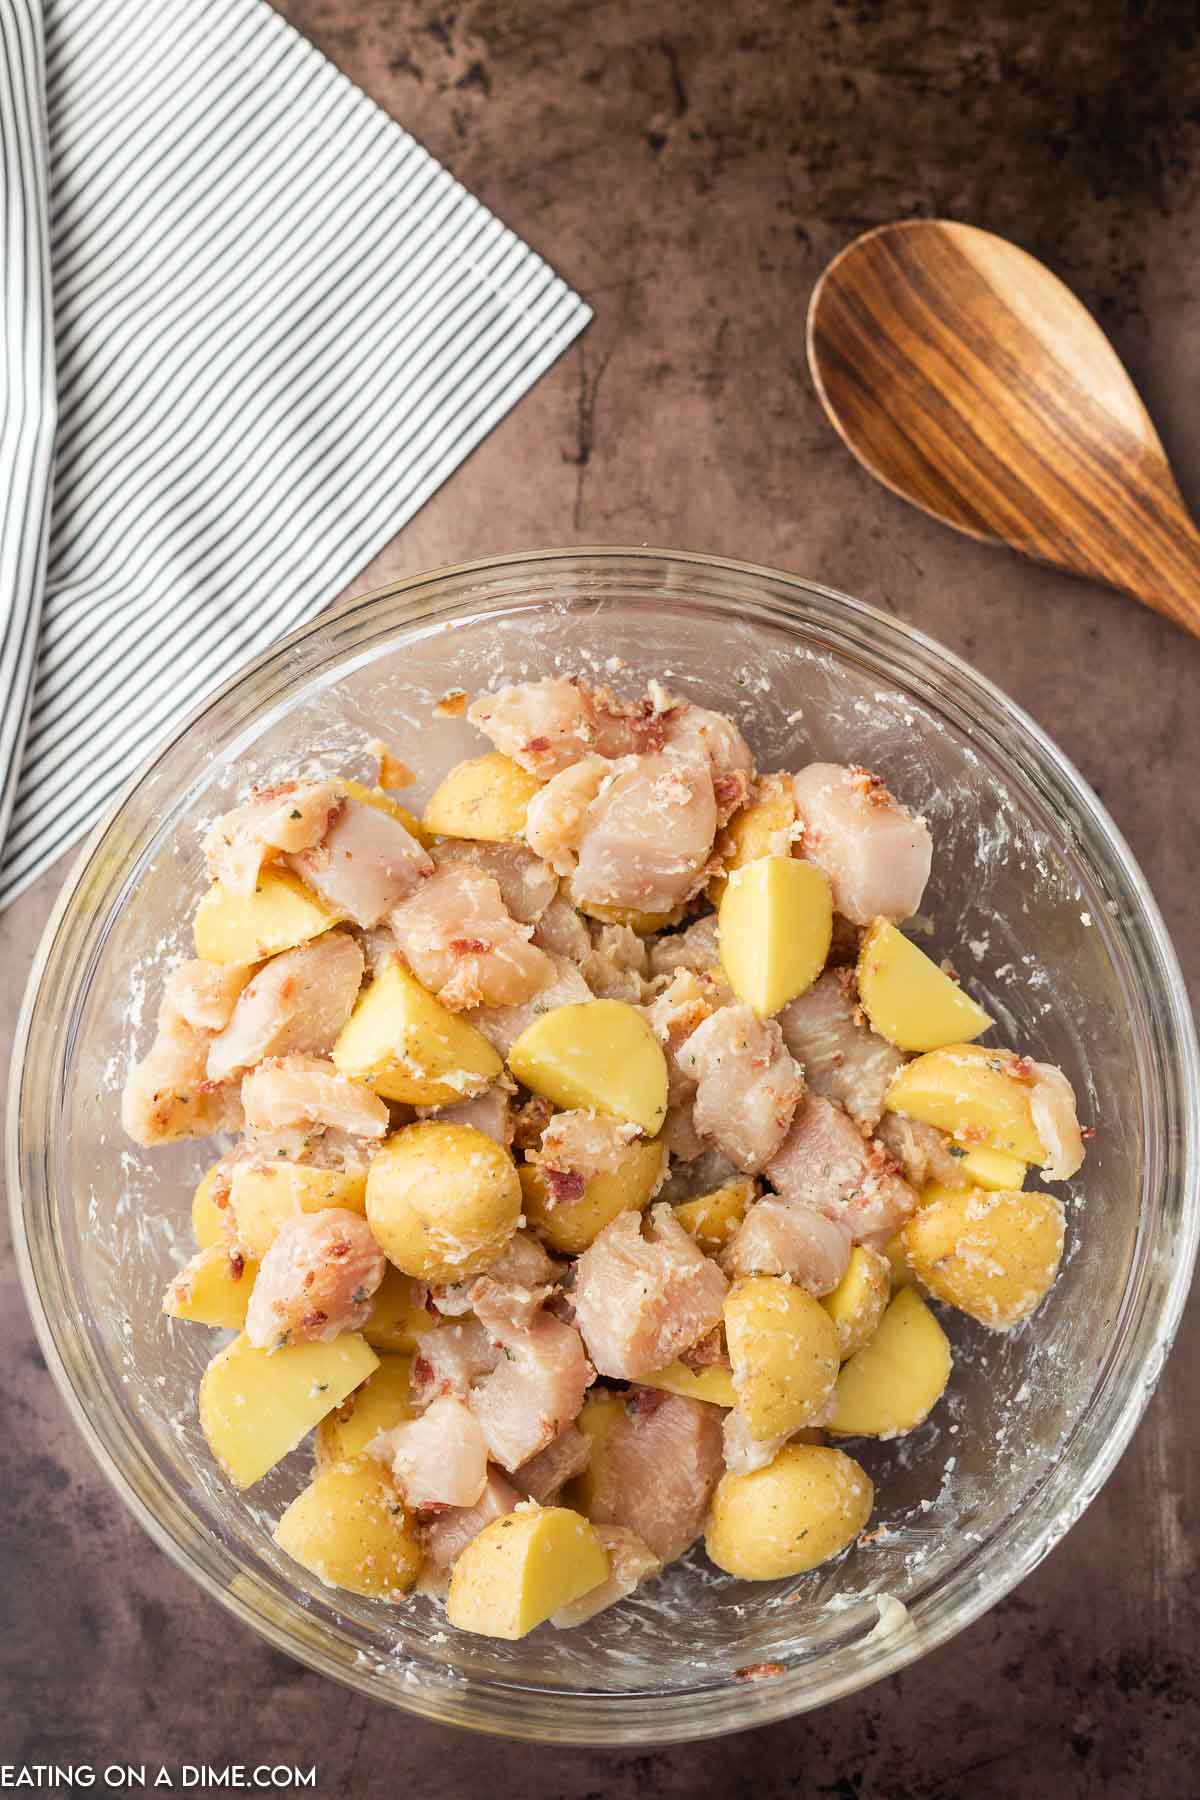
x=602 y=1411
x=281 y=913
x=857 y=1303
x=213 y=1289
x=351 y=1529
x=373 y=796
x=714 y=1384
x=409 y=1048
x=896 y=1380
x=484 y=797
x=442 y=1200
x=398 y=1315
x=776 y=923
x=974 y=1093
x=783 y=1349
x=600 y=1053
x=804 y=1507
x=571 y=1225
x=992 y=1255
x=257 y=1405
x=262 y=1197
x=210 y=1222
x=754 y=830
x=991 y=1169
x=522 y=1568
x=713 y=1218
x=384 y=1399
x=908 y=999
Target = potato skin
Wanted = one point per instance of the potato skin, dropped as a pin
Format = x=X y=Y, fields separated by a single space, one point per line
x=783 y=1348
x=350 y=1527
x=571 y=1225
x=442 y=1200
x=484 y=797
x=804 y=1507
x=973 y=1092
x=993 y=1255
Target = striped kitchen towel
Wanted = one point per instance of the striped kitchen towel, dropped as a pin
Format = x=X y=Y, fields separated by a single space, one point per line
x=278 y=326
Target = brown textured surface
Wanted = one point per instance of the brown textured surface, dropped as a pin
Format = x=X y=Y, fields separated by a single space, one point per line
x=689 y=168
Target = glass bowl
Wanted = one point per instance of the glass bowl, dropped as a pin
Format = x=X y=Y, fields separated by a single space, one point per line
x=1034 y=893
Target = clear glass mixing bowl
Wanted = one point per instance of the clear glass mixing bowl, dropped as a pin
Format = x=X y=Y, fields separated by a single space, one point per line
x=1045 y=911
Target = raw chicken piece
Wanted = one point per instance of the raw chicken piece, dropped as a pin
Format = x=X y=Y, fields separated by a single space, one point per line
x=461 y=941
x=537 y=1388
x=615 y=964
x=641 y=1301
x=295 y=1005
x=875 y=852
x=1052 y=1103
x=748 y=1087
x=841 y=1056
x=545 y=1475
x=274 y=821
x=378 y=947
x=826 y=1163
x=168 y=1095
x=204 y=994
x=503 y=1025
x=796 y=1241
x=922 y=1151
x=449 y=1532
x=315 y=1281
x=744 y=1453
x=631 y=727
x=451 y=1360
x=578 y=1145
x=697 y=730
x=307 y=1090
x=365 y=864
x=679 y=1134
x=317 y=1146
x=512 y=1288
x=682 y=1006
x=488 y=1112
x=695 y=948
x=648 y=835
x=556 y=818
x=562 y=932
x=439 y=1459
x=630 y=1562
x=527 y=884
x=543 y=725
x=660 y=1466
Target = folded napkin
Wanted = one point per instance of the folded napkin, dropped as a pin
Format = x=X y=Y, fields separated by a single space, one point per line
x=278 y=326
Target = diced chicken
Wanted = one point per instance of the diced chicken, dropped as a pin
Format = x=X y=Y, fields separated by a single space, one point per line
x=875 y=852
x=513 y=1288
x=461 y=941
x=615 y=965
x=365 y=864
x=630 y=1562
x=489 y=1112
x=316 y=1146
x=439 y=1459
x=545 y=1475
x=315 y=1281
x=543 y=725
x=503 y=1025
x=777 y=1239
x=577 y=1145
x=695 y=729
x=169 y=1095
x=695 y=948
x=743 y=1452
x=306 y=1090
x=527 y=884
x=1052 y=1103
x=923 y=1152
x=556 y=817
x=826 y=1163
x=451 y=1361
x=274 y=821
x=660 y=1466
x=641 y=1301
x=204 y=994
x=632 y=727
x=841 y=1056
x=682 y=1006
x=679 y=1134
x=448 y=1533
x=537 y=1388
x=561 y=932
x=648 y=835
x=295 y=1005
x=748 y=1087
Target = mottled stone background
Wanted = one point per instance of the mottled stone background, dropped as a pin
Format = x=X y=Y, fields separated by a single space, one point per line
x=690 y=167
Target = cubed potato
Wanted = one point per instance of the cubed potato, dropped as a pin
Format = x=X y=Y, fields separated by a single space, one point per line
x=991 y=1169
x=776 y=923
x=522 y=1568
x=804 y=1507
x=755 y=830
x=571 y=1225
x=484 y=797
x=213 y=1289
x=601 y=1413
x=398 y=1315
x=973 y=1093
x=713 y=1218
x=350 y=1527
x=262 y=1197
x=714 y=1384
x=257 y=1405
x=210 y=1222
x=896 y=1380
x=857 y=1303
x=908 y=999
x=783 y=1348
x=281 y=913
x=384 y=1399
x=630 y=1562
x=600 y=1053
x=409 y=1048
x=992 y=1255
x=373 y=796
x=442 y=1200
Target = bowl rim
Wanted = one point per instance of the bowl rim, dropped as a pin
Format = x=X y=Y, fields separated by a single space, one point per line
x=643 y=1721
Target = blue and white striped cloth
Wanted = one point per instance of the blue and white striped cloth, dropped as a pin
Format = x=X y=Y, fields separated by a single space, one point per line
x=278 y=326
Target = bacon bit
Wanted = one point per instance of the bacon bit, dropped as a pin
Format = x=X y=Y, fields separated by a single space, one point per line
x=535 y=745
x=309 y=1278
x=313 y=1319
x=452 y=705
x=872 y=787
x=703 y=1355
x=732 y=789
x=529 y=1122
x=237 y=1265
x=642 y=1401
x=873 y=1537
x=1087 y=1131
x=422 y=1371
x=564 y=1184
x=468 y=946
x=762 y=1671
x=392 y=773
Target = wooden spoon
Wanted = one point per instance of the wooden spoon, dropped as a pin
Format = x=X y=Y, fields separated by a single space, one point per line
x=964 y=375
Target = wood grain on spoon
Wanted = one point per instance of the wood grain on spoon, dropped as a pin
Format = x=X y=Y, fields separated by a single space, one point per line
x=965 y=376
